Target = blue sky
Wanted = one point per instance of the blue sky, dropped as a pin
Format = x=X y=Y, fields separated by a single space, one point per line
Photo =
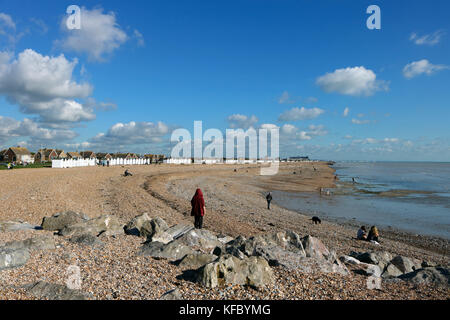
x=138 y=69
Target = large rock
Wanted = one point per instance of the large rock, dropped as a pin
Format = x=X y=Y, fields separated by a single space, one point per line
x=171 y=251
x=52 y=291
x=134 y=227
x=200 y=238
x=61 y=220
x=405 y=264
x=314 y=248
x=195 y=261
x=313 y=265
x=431 y=275
x=349 y=260
x=87 y=239
x=108 y=225
x=379 y=258
x=391 y=271
x=178 y=230
x=13 y=258
x=15 y=226
x=37 y=243
x=252 y=271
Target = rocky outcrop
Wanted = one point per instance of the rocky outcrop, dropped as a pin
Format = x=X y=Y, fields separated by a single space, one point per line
x=379 y=258
x=61 y=220
x=108 y=225
x=178 y=230
x=200 y=238
x=52 y=291
x=197 y=260
x=252 y=271
x=171 y=251
x=431 y=275
x=13 y=258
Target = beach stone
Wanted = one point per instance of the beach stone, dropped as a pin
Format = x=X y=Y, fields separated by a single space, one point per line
x=54 y=291
x=224 y=239
x=171 y=251
x=61 y=220
x=36 y=243
x=173 y=294
x=286 y=240
x=277 y=256
x=15 y=226
x=195 y=261
x=252 y=271
x=134 y=227
x=431 y=275
x=152 y=227
x=178 y=230
x=313 y=265
x=13 y=258
x=108 y=225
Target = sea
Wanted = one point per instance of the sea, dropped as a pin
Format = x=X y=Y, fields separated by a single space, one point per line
x=409 y=196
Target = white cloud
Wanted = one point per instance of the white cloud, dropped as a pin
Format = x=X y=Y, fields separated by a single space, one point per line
x=356 y=81
x=284 y=98
x=11 y=128
x=121 y=135
x=43 y=85
x=346 y=111
x=139 y=38
x=427 y=39
x=7 y=21
x=288 y=129
x=423 y=66
x=241 y=121
x=296 y=114
x=357 y=121
x=318 y=130
x=99 y=36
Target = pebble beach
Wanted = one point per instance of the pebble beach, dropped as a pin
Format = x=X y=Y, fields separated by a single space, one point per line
x=235 y=205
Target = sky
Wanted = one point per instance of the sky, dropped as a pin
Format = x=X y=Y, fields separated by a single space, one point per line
x=137 y=70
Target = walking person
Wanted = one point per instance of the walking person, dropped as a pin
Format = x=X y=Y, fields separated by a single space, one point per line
x=268 y=198
x=198 y=208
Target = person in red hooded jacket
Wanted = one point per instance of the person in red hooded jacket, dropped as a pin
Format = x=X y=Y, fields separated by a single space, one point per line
x=198 y=208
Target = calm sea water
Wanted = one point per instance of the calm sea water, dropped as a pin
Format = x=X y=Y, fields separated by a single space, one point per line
x=412 y=196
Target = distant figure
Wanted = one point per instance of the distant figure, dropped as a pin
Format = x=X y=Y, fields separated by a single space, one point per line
x=353 y=180
x=127 y=173
x=107 y=163
x=373 y=234
x=198 y=208
x=316 y=220
x=9 y=166
x=268 y=198
x=362 y=233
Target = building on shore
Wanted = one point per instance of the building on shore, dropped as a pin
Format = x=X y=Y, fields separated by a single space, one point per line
x=45 y=155
x=18 y=155
x=87 y=155
x=73 y=155
x=298 y=159
x=103 y=156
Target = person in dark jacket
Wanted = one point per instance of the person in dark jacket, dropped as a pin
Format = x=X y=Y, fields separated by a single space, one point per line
x=198 y=208
x=268 y=198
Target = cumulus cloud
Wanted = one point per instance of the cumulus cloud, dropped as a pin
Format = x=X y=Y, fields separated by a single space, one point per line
x=427 y=39
x=290 y=132
x=100 y=35
x=6 y=21
x=241 y=121
x=11 y=128
x=131 y=133
x=43 y=86
x=296 y=114
x=423 y=66
x=356 y=81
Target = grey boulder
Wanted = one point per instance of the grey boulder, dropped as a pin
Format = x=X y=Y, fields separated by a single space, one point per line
x=171 y=251
x=431 y=275
x=51 y=291
x=10 y=258
x=61 y=220
x=36 y=243
x=108 y=225
x=197 y=260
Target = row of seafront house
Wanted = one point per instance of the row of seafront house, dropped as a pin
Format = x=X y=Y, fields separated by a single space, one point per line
x=61 y=159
